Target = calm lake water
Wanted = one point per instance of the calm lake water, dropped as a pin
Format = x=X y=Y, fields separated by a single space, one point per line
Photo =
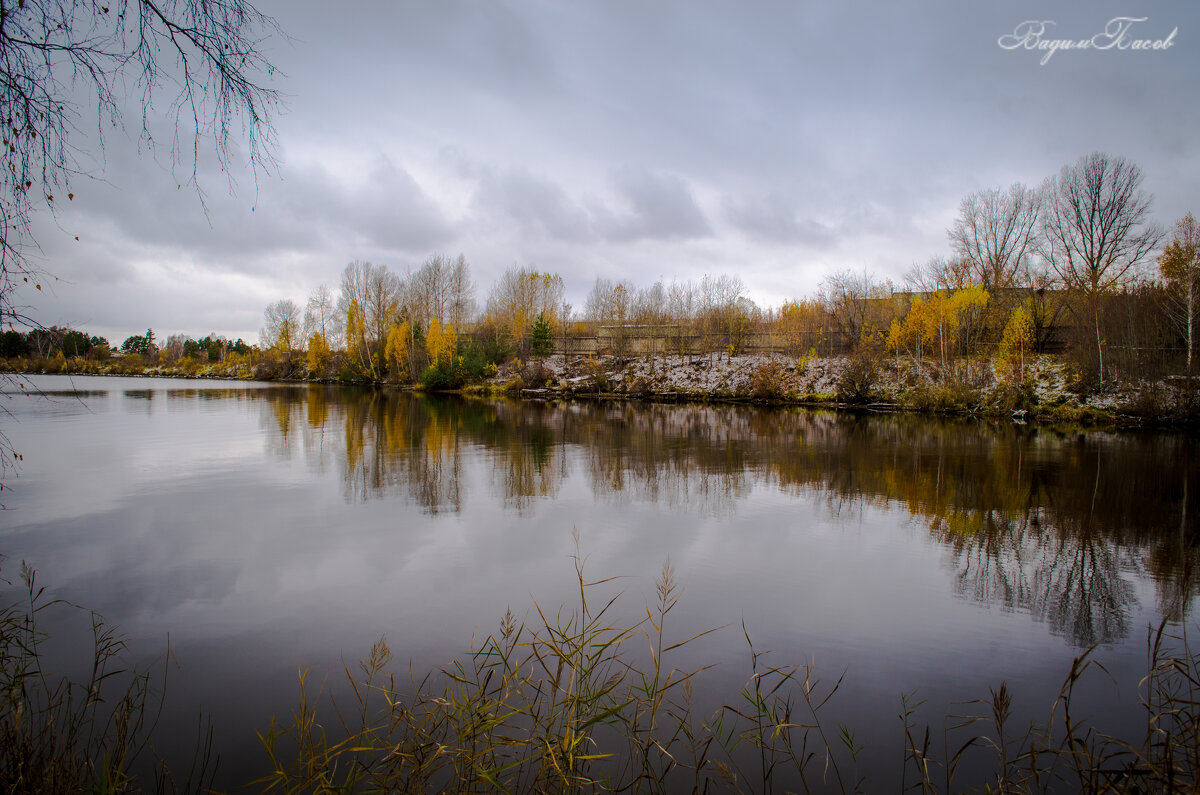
x=269 y=528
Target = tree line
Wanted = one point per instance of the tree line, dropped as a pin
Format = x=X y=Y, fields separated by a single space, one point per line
x=1066 y=265
x=1075 y=265
x=64 y=342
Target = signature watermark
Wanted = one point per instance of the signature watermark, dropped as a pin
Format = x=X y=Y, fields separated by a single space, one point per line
x=1118 y=34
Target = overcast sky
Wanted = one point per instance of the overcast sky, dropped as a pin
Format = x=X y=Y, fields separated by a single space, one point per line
x=631 y=139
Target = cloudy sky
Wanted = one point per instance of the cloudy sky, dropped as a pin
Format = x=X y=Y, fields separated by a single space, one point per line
x=631 y=139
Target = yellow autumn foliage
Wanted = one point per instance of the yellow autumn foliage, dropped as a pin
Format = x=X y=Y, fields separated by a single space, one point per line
x=318 y=354
x=1017 y=340
x=396 y=351
x=441 y=343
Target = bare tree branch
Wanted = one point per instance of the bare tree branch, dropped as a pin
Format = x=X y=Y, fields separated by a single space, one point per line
x=1095 y=227
x=994 y=231
x=57 y=53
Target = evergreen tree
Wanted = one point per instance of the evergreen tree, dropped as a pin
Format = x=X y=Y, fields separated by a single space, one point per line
x=541 y=340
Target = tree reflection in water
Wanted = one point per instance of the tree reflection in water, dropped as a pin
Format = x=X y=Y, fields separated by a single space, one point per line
x=1033 y=520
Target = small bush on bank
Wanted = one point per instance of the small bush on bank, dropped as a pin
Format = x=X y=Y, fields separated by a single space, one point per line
x=952 y=395
x=639 y=386
x=1171 y=402
x=443 y=376
x=536 y=373
x=348 y=373
x=476 y=364
x=596 y=377
x=859 y=381
x=513 y=386
x=269 y=369
x=1016 y=395
x=767 y=382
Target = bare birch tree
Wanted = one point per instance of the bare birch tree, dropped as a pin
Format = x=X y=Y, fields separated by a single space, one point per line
x=721 y=313
x=281 y=326
x=520 y=295
x=321 y=316
x=441 y=288
x=609 y=306
x=994 y=232
x=681 y=308
x=938 y=273
x=1096 y=226
x=1095 y=231
x=462 y=292
x=428 y=291
x=375 y=294
x=1180 y=266
x=847 y=297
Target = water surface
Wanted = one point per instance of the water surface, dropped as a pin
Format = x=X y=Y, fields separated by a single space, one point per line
x=268 y=528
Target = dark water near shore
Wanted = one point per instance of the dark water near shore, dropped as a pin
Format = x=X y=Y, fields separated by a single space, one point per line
x=269 y=528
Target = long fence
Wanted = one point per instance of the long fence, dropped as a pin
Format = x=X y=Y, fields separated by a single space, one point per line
x=687 y=343
x=695 y=343
x=1151 y=361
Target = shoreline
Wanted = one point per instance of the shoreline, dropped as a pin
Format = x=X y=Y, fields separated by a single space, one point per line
x=966 y=389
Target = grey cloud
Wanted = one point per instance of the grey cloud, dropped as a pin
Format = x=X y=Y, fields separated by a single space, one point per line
x=306 y=208
x=539 y=206
x=387 y=210
x=659 y=206
x=455 y=160
x=646 y=205
x=144 y=204
x=774 y=218
x=588 y=137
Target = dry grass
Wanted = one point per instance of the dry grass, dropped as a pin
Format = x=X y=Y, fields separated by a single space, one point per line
x=560 y=707
x=92 y=735
x=1066 y=754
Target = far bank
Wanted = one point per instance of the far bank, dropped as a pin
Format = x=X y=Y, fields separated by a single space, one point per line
x=1041 y=388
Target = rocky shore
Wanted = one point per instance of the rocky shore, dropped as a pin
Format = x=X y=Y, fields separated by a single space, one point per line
x=1043 y=389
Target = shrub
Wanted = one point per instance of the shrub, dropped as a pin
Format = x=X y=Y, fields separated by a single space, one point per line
x=596 y=375
x=1016 y=395
x=474 y=361
x=767 y=381
x=949 y=396
x=858 y=381
x=536 y=373
x=514 y=386
x=350 y=373
x=639 y=385
x=1174 y=402
x=442 y=376
x=269 y=369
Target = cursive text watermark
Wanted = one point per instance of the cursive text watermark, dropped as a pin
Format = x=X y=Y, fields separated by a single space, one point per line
x=1033 y=34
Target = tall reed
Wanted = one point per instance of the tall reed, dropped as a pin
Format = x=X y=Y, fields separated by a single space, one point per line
x=566 y=704
x=563 y=705
x=559 y=706
x=89 y=734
